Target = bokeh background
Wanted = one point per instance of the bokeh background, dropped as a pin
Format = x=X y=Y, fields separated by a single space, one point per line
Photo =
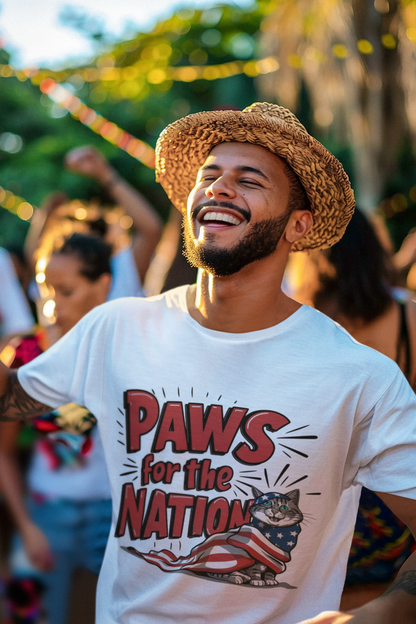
x=347 y=68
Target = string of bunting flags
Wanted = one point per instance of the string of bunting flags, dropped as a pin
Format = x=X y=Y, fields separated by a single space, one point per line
x=97 y=123
x=51 y=83
x=189 y=73
x=15 y=204
x=154 y=75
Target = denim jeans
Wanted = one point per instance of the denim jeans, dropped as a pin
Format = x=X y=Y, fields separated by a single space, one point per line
x=77 y=532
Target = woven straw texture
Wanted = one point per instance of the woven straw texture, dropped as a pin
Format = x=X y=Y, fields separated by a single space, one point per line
x=183 y=147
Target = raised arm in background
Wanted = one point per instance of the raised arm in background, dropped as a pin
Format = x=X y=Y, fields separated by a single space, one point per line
x=38 y=225
x=147 y=225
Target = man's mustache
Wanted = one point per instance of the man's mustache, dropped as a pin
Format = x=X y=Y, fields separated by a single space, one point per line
x=211 y=203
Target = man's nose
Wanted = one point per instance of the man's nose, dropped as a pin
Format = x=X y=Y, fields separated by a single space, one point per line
x=221 y=187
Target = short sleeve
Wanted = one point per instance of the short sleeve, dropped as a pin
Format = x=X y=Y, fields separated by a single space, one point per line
x=384 y=445
x=71 y=371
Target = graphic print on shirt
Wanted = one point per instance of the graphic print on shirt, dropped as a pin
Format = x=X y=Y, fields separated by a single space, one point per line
x=255 y=553
x=242 y=542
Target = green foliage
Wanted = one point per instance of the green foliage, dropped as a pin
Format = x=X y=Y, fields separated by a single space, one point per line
x=12 y=229
x=36 y=169
x=188 y=38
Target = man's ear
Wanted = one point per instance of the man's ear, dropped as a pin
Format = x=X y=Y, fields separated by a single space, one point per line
x=299 y=224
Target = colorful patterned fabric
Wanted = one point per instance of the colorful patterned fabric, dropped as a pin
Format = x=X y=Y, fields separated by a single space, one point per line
x=62 y=447
x=22 y=601
x=68 y=429
x=381 y=542
x=28 y=349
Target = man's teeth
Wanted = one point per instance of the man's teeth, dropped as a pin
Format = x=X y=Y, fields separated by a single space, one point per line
x=220 y=216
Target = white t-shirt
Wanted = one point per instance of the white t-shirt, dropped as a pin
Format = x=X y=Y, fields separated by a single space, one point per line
x=15 y=315
x=85 y=482
x=126 y=281
x=192 y=418
x=89 y=481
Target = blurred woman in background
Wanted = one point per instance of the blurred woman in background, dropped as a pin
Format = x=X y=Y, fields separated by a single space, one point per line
x=64 y=518
x=353 y=283
x=131 y=259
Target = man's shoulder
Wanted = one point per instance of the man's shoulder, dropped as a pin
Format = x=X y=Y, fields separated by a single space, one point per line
x=175 y=298
x=333 y=338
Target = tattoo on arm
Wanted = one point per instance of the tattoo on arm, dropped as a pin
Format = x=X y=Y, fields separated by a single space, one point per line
x=16 y=404
x=405 y=582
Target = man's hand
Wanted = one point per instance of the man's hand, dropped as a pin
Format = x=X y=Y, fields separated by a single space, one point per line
x=88 y=161
x=37 y=548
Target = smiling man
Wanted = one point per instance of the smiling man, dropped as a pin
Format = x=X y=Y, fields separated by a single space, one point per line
x=238 y=425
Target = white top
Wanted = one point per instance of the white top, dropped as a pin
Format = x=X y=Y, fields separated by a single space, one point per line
x=192 y=418
x=15 y=315
x=78 y=483
x=88 y=481
x=126 y=281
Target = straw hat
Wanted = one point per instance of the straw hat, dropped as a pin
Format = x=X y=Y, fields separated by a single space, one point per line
x=184 y=145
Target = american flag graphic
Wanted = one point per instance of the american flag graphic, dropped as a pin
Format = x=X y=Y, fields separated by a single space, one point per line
x=224 y=553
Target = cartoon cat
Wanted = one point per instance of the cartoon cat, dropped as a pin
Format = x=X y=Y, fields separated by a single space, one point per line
x=254 y=553
x=277 y=517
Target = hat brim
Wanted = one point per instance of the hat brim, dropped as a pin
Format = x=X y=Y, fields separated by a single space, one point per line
x=183 y=147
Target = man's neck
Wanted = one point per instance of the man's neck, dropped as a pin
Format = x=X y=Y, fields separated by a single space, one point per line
x=244 y=302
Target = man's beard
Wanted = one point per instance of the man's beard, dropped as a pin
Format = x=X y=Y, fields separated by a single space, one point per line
x=259 y=243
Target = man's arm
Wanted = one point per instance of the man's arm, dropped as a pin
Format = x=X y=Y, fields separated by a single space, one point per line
x=15 y=403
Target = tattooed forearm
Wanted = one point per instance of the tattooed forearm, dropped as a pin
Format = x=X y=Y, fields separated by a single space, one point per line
x=405 y=582
x=16 y=404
